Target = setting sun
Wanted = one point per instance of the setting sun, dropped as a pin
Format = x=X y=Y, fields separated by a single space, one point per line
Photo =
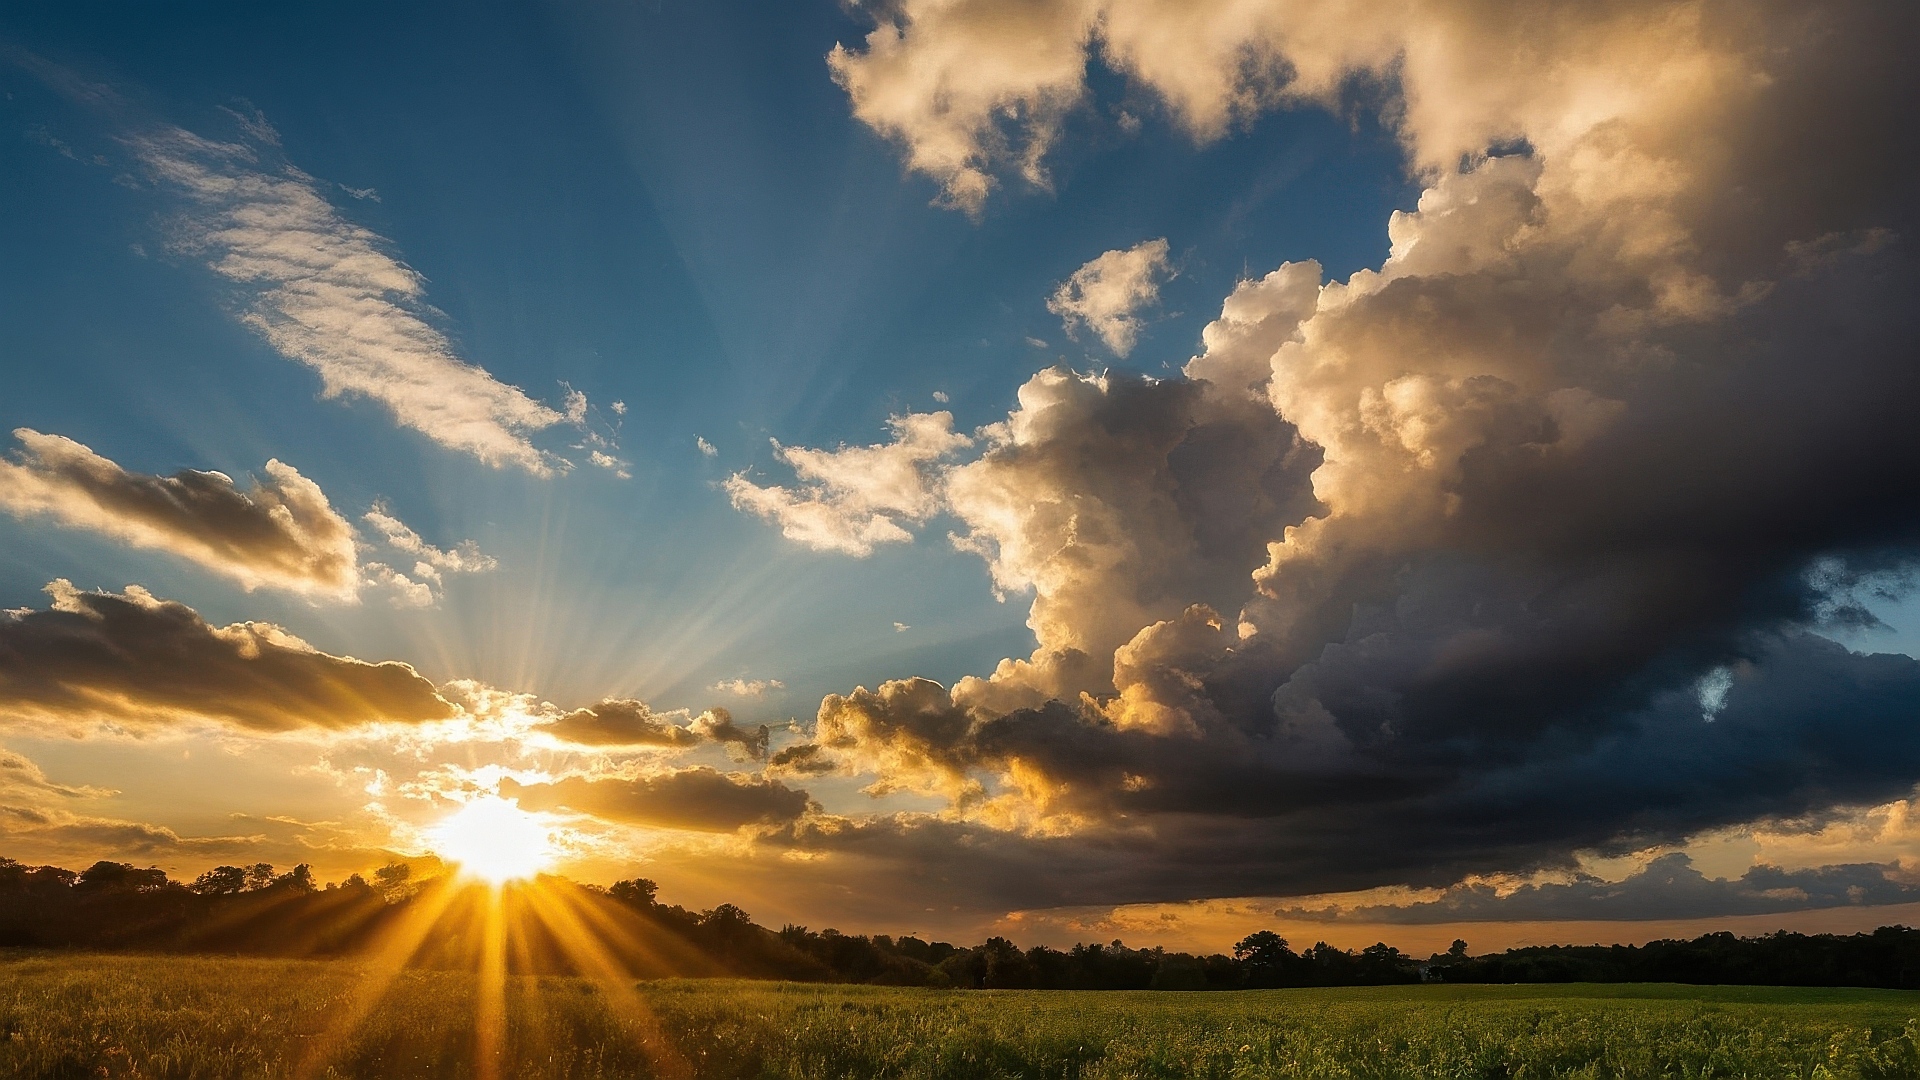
x=493 y=839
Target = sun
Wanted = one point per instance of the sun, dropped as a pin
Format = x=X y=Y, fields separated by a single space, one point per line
x=494 y=840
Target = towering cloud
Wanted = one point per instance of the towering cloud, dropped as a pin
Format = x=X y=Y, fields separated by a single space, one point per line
x=326 y=292
x=281 y=534
x=137 y=661
x=1429 y=572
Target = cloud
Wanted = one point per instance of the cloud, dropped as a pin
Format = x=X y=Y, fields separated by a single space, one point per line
x=626 y=723
x=281 y=533
x=1107 y=293
x=327 y=293
x=134 y=660
x=20 y=777
x=620 y=722
x=698 y=799
x=466 y=558
x=855 y=498
x=1669 y=887
x=753 y=688
x=915 y=84
x=1433 y=571
x=98 y=836
x=706 y=448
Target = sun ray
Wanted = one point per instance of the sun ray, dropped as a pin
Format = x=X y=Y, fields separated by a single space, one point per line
x=580 y=944
x=490 y=1014
x=387 y=958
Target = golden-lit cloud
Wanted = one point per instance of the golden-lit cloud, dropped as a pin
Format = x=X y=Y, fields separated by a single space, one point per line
x=281 y=533
x=855 y=498
x=137 y=661
x=1108 y=293
x=698 y=799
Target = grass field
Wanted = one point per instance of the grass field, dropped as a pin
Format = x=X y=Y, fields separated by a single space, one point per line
x=90 y=1015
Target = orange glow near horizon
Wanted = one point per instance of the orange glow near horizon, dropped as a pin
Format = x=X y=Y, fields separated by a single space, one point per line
x=492 y=839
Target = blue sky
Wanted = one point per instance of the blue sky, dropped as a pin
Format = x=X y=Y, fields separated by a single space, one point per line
x=664 y=205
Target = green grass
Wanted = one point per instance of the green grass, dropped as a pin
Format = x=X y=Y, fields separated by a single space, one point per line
x=90 y=1015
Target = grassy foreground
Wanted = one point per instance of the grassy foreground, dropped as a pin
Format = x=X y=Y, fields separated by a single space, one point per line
x=93 y=1015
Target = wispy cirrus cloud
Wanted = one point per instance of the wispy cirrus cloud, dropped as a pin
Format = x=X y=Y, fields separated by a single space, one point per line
x=328 y=293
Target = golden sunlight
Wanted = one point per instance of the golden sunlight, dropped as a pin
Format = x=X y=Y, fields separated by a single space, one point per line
x=494 y=840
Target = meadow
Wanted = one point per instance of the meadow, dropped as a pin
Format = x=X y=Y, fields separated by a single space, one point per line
x=74 y=1015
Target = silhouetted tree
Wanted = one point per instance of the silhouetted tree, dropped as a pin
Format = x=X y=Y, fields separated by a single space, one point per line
x=220 y=881
x=634 y=892
x=299 y=880
x=1265 y=960
x=106 y=876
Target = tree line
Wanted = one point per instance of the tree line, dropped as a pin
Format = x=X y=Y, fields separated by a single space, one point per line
x=256 y=910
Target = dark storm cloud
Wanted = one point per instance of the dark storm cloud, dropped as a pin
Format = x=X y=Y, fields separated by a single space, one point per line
x=1667 y=888
x=699 y=799
x=1516 y=546
x=132 y=659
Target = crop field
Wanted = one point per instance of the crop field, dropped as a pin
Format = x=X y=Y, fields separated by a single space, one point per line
x=67 y=1015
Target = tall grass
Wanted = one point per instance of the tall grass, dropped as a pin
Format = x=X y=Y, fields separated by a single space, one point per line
x=92 y=1015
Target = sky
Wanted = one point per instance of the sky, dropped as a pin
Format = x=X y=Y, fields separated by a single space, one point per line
x=1069 y=468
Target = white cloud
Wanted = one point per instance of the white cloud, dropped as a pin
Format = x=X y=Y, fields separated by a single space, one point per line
x=917 y=83
x=403 y=591
x=326 y=292
x=600 y=459
x=855 y=498
x=281 y=533
x=753 y=688
x=1107 y=293
x=432 y=563
x=706 y=448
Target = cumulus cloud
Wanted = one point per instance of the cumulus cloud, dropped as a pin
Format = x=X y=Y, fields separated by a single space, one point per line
x=137 y=661
x=855 y=498
x=281 y=533
x=431 y=564
x=1107 y=294
x=697 y=799
x=1442 y=569
x=626 y=723
x=328 y=293
x=620 y=722
x=915 y=83
x=753 y=688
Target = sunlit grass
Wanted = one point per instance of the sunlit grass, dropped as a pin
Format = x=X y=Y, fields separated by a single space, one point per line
x=93 y=1015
